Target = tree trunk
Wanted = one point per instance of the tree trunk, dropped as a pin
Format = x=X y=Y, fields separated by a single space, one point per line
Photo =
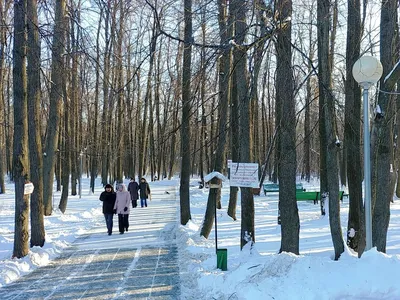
x=107 y=102
x=290 y=223
x=35 y=142
x=144 y=138
x=9 y=132
x=73 y=144
x=352 y=132
x=20 y=148
x=307 y=113
x=186 y=111
x=224 y=74
x=119 y=136
x=329 y=161
x=94 y=145
x=382 y=130
x=234 y=120
x=57 y=67
x=3 y=135
x=239 y=9
x=66 y=159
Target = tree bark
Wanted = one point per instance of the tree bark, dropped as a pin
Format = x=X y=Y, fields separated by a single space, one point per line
x=382 y=130
x=224 y=75
x=35 y=142
x=186 y=112
x=247 y=234
x=329 y=161
x=290 y=223
x=57 y=67
x=3 y=119
x=20 y=148
x=352 y=132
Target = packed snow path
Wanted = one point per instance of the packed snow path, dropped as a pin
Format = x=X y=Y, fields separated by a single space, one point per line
x=140 y=264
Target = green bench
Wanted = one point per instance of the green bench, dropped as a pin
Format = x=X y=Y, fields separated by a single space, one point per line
x=306 y=196
x=314 y=196
x=274 y=187
x=270 y=187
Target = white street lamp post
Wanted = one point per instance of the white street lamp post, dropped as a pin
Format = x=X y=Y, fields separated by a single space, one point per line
x=367 y=71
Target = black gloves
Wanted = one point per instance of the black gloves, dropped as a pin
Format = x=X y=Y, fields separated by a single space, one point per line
x=115 y=211
x=125 y=209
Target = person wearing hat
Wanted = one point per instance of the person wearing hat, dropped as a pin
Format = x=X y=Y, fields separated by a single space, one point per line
x=144 y=192
x=122 y=207
x=133 y=188
x=108 y=197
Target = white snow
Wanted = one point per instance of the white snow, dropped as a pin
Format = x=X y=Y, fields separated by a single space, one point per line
x=256 y=273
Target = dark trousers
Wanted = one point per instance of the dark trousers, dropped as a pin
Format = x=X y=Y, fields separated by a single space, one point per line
x=123 y=222
x=134 y=203
x=143 y=202
x=109 y=222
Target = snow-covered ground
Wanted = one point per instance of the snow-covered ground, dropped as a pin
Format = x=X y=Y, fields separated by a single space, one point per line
x=257 y=273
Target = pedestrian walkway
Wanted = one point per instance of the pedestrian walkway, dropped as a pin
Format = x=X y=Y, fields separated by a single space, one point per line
x=140 y=264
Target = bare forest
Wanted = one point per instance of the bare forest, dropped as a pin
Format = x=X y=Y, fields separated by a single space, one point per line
x=114 y=89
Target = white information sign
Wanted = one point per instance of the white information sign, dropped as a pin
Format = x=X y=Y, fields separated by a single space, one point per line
x=28 y=188
x=244 y=174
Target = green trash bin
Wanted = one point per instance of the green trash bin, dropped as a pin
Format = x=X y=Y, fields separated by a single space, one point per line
x=222 y=259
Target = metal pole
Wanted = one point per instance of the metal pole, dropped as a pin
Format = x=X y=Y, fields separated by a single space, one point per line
x=215 y=211
x=367 y=172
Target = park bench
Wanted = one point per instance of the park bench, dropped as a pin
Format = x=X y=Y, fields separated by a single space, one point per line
x=313 y=195
x=270 y=187
x=274 y=187
x=306 y=196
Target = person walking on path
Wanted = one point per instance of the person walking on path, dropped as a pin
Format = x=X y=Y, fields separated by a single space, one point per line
x=122 y=208
x=133 y=189
x=144 y=192
x=108 y=197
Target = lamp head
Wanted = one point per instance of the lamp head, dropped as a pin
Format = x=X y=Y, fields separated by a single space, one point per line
x=367 y=70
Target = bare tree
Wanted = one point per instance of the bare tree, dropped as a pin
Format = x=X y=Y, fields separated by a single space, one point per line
x=233 y=118
x=186 y=112
x=382 y=128
x=35 y=142
x=107 y=101
x=56 y=93
x=94 y=145
x=119 y=136
x=352 y=131
x=239 y=9
x=4 y=7
x=224 y=75
x=290 y=223
x=329 y=149
x=20 y=149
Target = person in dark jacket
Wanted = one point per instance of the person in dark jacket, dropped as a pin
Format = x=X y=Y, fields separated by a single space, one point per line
x=144 y=192
x=108 y=197
x=133 y=189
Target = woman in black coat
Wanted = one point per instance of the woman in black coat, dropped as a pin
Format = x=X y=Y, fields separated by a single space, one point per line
x=108 y=197
x=144 y=192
